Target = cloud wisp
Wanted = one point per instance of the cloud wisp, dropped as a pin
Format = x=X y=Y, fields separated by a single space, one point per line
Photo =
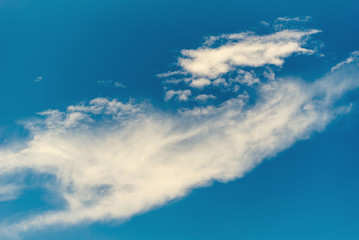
x=229 y=61
x=113 y=160
x=354 y=57
x=182 y=95
x=244 y=49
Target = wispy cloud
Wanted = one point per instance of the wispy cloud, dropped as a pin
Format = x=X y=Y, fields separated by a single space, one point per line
x=204 y=97
x=110 y=84
x=247 y=78
x=200 y=82
x=119 y=85
x=228 y=61
x=104 y=82
x=354 y=57
x=38 y=79
x=244 y=49
x=289 y=22
x=293 y=19
x=113 y=160
x=9 y=192
x=181 y=95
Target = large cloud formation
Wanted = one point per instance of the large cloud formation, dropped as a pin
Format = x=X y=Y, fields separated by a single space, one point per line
x=112 y=160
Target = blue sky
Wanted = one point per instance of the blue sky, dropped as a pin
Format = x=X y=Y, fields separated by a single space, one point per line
x=179 y=119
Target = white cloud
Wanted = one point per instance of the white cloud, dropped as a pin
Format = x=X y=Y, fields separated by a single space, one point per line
x=243 y=49
x=234 y=62
x=109 y=83
x=38 y=79
x=182 y=95
x=114 y=160
x=294 y=19
x=104 y=82
x=200 y=82
x=264 y=23
x=220 y=82
x=269 y=74
x=169 y=74
x=289 y=22
x=354 y=57
x=119 y=85
x=9 y=192
x=204 y=97
x=246 y=78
